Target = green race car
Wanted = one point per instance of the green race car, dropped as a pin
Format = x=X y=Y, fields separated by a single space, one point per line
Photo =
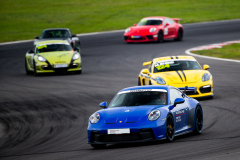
x=53 y=56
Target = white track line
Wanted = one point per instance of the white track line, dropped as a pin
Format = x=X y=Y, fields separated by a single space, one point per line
x=94 y=33
x=215 y=58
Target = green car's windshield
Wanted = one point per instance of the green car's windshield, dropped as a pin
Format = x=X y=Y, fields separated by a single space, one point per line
x=175 y=65
x=145 y=22
x=53 y=47
x=55 y=34
x=139 y=98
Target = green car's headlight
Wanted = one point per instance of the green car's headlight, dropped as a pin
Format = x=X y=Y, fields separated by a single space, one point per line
x=41 y=59
x=75 y=56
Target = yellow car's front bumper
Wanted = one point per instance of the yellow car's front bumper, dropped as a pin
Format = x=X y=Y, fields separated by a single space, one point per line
x=202 y=89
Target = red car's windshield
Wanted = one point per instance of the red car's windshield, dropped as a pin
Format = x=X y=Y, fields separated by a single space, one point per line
x=149 y=22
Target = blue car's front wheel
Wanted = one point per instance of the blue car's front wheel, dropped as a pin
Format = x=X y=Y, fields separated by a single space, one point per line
x=170 y=131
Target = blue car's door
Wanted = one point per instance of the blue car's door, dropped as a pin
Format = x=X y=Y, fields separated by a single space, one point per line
x=180 y=111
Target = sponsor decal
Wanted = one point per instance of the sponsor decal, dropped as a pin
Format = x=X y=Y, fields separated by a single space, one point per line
x=179 y=113
x=142 y=90
x=127 y=111
x=178 y=119
x=41 y=47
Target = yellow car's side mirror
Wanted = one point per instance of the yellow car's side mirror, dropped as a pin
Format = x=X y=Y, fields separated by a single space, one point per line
x=206 y=67
x=147 y=63
x=145 y=71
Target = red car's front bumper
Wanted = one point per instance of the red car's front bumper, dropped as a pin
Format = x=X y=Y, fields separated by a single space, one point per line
x=145 y=38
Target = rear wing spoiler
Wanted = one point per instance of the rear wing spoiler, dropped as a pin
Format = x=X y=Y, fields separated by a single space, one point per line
x=147 y=63
x=176 y=19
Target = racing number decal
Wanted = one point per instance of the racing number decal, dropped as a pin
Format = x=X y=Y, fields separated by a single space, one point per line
x=161 y=65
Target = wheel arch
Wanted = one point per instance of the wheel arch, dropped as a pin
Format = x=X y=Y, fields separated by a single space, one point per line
x=192 y=116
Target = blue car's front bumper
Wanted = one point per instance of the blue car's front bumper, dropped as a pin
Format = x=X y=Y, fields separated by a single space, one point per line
x=139 y=132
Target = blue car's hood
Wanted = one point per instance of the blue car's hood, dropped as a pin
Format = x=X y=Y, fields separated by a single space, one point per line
x=126 y=114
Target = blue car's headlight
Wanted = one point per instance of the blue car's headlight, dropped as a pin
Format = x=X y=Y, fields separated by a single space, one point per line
x=152 y=29
x=41 y=59
x=75 y=56
x=94 y=118
x=154 y=115
x=206 y=77
x=159 y=80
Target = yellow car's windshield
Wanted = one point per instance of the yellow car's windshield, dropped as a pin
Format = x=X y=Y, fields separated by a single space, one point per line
x=53 y=47
x=175 y=65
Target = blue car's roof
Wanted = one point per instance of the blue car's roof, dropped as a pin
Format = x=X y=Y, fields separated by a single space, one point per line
x=147 y=87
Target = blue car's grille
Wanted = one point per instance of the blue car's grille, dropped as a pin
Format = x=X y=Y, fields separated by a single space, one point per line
x=145 y=134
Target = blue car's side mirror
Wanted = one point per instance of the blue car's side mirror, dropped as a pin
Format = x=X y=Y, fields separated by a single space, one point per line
x=178 y=101
x=103 y=104
x=171 y=107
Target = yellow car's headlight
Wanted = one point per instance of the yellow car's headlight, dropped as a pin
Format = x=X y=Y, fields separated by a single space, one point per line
x=206 y=77
x=159 y=80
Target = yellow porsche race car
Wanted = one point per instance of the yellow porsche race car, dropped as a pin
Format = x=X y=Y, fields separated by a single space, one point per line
x=182 y=72
x=53 y=56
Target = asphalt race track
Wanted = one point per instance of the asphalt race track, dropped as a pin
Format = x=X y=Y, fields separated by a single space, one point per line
x=46 y=117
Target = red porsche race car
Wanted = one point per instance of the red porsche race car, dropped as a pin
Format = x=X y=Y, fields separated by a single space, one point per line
x=155 y=29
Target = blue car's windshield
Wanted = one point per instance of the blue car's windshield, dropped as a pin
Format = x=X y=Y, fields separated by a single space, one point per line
x=139 y=98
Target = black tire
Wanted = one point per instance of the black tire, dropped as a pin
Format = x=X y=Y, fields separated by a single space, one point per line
x=180 y=35
x=160 y=37
x=35 y=70
x=139 y=82
x=170 y=130
x=198 y=120
x=78 y=72
x=98 y=146
x=26 y=69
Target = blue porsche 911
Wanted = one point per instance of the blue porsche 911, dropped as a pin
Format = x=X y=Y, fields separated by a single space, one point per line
x=145 y=113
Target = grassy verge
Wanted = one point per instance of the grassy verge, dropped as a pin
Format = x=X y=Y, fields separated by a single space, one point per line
x=24 y=19
x=229 y=51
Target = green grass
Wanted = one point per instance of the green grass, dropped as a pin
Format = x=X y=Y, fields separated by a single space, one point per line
x=24 y=19
x=229 y=51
